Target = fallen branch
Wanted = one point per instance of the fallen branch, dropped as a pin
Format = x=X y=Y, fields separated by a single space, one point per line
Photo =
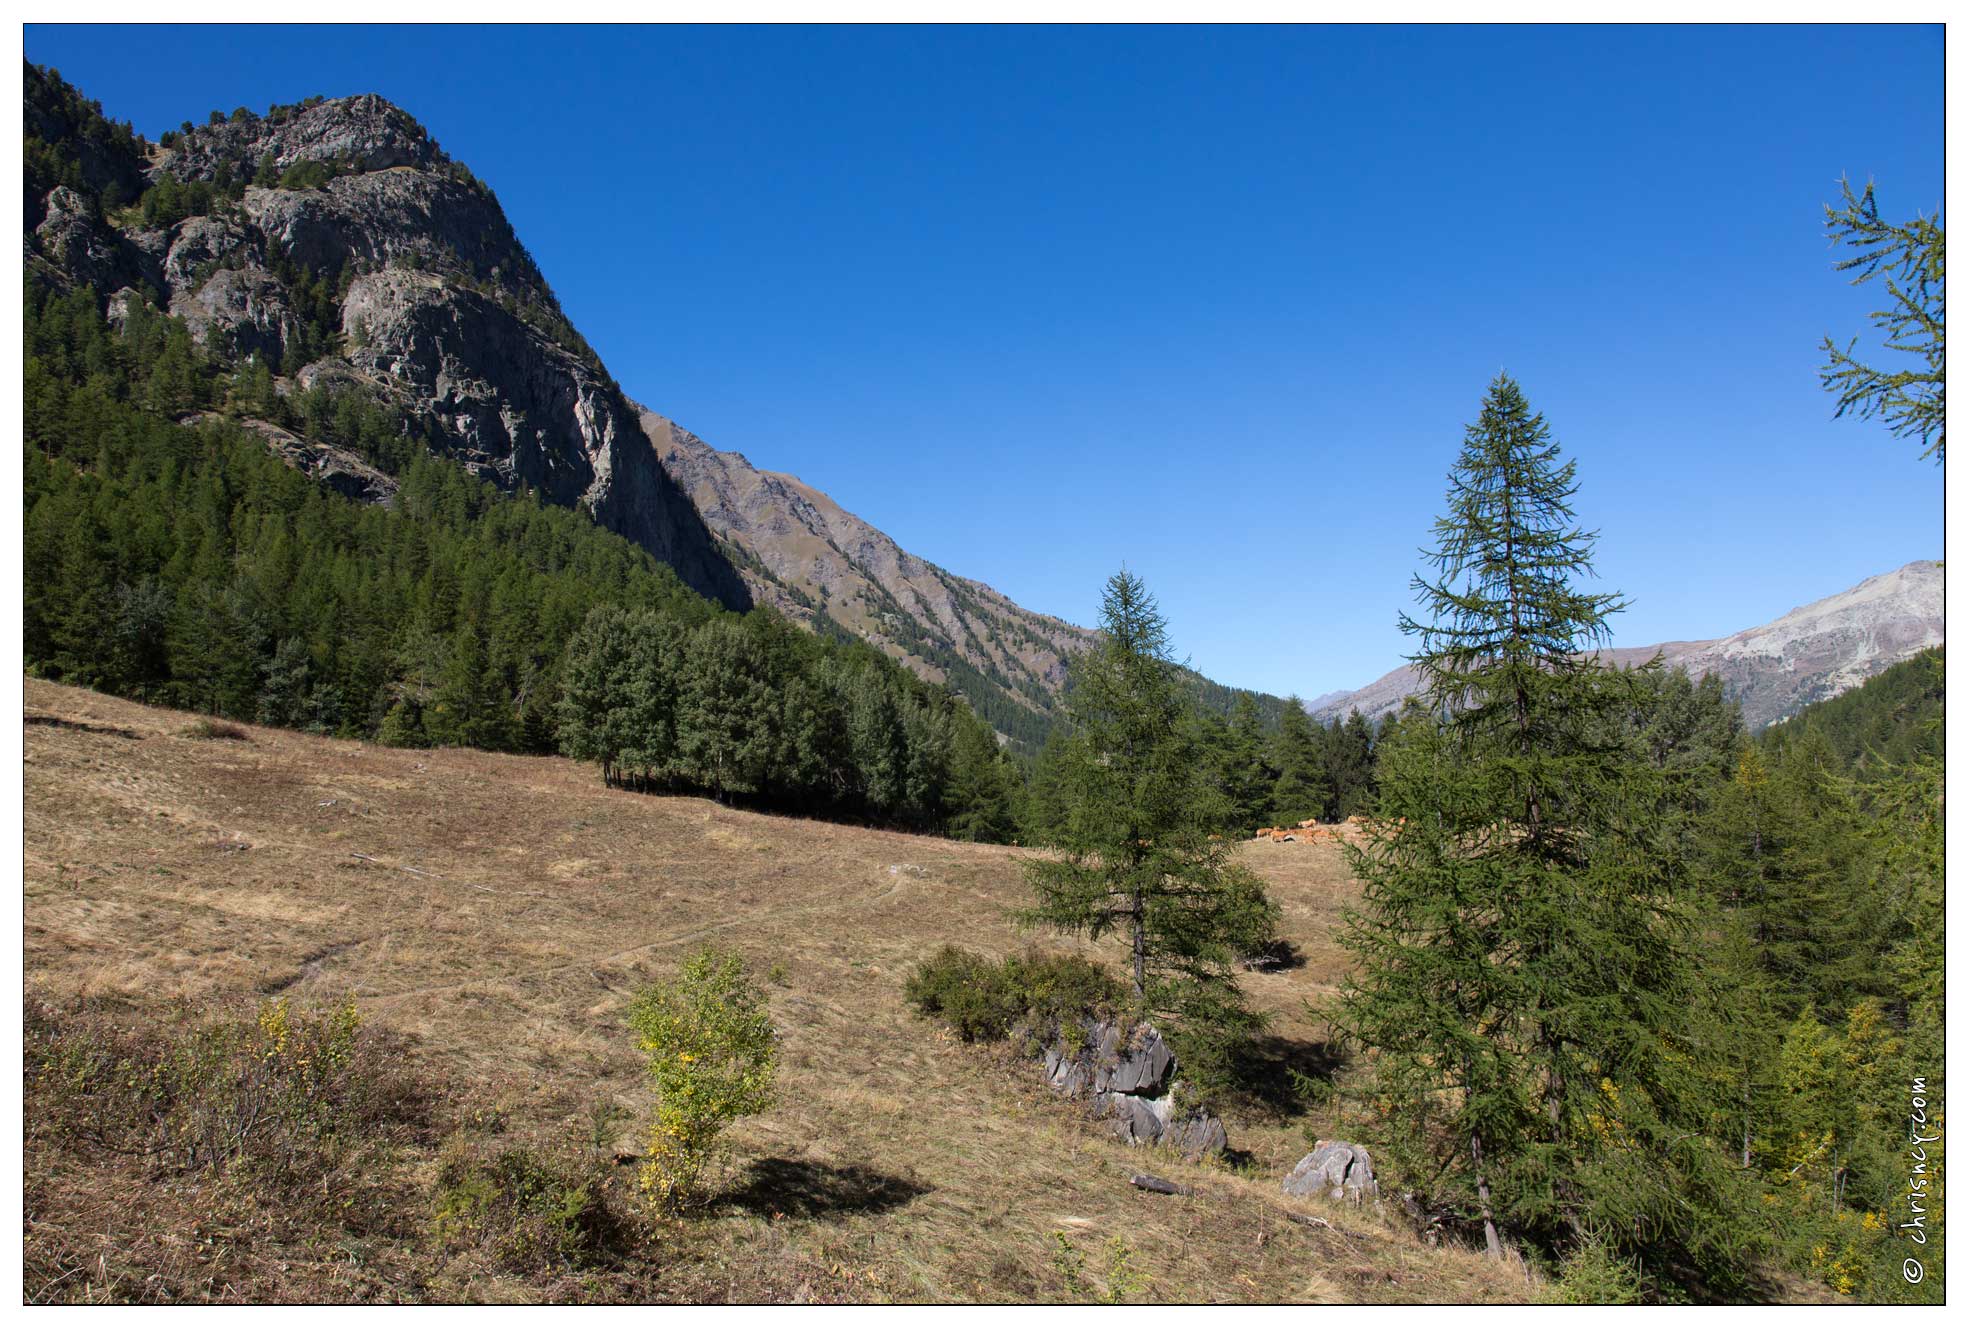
x=1309 y=1220
x=1143 y=1182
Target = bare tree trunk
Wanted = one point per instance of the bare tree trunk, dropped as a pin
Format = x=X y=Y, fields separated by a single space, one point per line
x=1746 y=1121
x=1491 y=1243
x=1141 y=951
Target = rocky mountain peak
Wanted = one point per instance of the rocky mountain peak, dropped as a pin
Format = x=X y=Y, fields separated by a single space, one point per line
x=334 y=242
x=362 y=133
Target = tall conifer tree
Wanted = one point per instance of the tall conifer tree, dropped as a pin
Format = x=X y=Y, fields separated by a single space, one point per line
x=1523 y=973
x=1142 y=853
x=1301 y=790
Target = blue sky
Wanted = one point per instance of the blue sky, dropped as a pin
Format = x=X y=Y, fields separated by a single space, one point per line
x=1214 y=302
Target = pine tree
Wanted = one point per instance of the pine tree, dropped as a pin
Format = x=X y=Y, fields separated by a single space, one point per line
x=1043 y=809
x=595 y=688
x=1910 y=259
x=877 y=740
x=981 y=790
x=1301 y=791
x=725 y=717
x=1247 y=778
x=1142 y=853
x=1524 y=969
x=402 y=727
x=650 y=695
x=1348 y=752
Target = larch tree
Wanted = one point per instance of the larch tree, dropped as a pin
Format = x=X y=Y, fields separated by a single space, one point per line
x=1524 y=967
x=1246 y=778
x=1142 y=851
x=1908 y=259
x=1301 y=790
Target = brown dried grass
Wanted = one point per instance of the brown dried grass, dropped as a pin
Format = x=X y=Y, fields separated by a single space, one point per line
x=502 y=911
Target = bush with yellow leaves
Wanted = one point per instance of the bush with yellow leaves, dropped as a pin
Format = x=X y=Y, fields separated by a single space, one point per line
x=712 y=1055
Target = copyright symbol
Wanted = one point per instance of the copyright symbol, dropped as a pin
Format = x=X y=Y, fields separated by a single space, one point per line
x=1911 y=1270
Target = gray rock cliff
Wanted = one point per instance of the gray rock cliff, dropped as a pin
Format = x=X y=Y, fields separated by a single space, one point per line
x=393 y=273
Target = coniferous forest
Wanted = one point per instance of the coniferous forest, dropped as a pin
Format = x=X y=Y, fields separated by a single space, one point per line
x=188 y=565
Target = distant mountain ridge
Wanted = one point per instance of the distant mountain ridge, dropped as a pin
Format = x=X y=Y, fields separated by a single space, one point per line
x=807 y=556
x=1816 y=651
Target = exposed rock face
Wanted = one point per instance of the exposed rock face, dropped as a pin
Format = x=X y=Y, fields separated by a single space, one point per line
x=437 y=309
x=1128 y=1073
x=521 y=409
x=397 y=216
x=243 y=311
x=337 y=468
x=1814 y=652
x=197 y=245
x=73 y=241
x=814 y=557
x=1336 y=1170
x=365 y=132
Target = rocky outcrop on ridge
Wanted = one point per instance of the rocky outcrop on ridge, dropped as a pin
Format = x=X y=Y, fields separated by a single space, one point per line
x=361 y=256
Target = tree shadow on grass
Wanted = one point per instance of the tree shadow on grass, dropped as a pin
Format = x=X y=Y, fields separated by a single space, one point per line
x=1281 y=1077
x=57 y=722
x=801 y=1188
x=1275 y=957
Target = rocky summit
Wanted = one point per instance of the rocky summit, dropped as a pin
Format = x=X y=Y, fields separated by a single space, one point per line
x=334 y=243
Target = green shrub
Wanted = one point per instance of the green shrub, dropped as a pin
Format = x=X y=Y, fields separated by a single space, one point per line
x=1120 y=1284
x=985 y=1002
x=535 y=1212
x=297 y=1099
x=1596 y=1274
x=309 y=175
x=964 y=990
x=712 y=1055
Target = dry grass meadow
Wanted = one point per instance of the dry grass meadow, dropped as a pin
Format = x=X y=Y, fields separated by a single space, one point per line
x=502 y=912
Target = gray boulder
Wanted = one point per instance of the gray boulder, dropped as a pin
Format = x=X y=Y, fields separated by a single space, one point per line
x=1336 y=1170
x=1118 y=1060
x=1197 y=1135
x=1141 y=1066
x=1127 y=1072
x=1068 y=1074
x=1140 y=1120
x=1135 y=1119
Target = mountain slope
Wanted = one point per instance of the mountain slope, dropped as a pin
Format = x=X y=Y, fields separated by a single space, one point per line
x=803 y=553
x=1814 y=652
x=821 y=565
x=334 y=245
x=328 y=257
x=1893 y=718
